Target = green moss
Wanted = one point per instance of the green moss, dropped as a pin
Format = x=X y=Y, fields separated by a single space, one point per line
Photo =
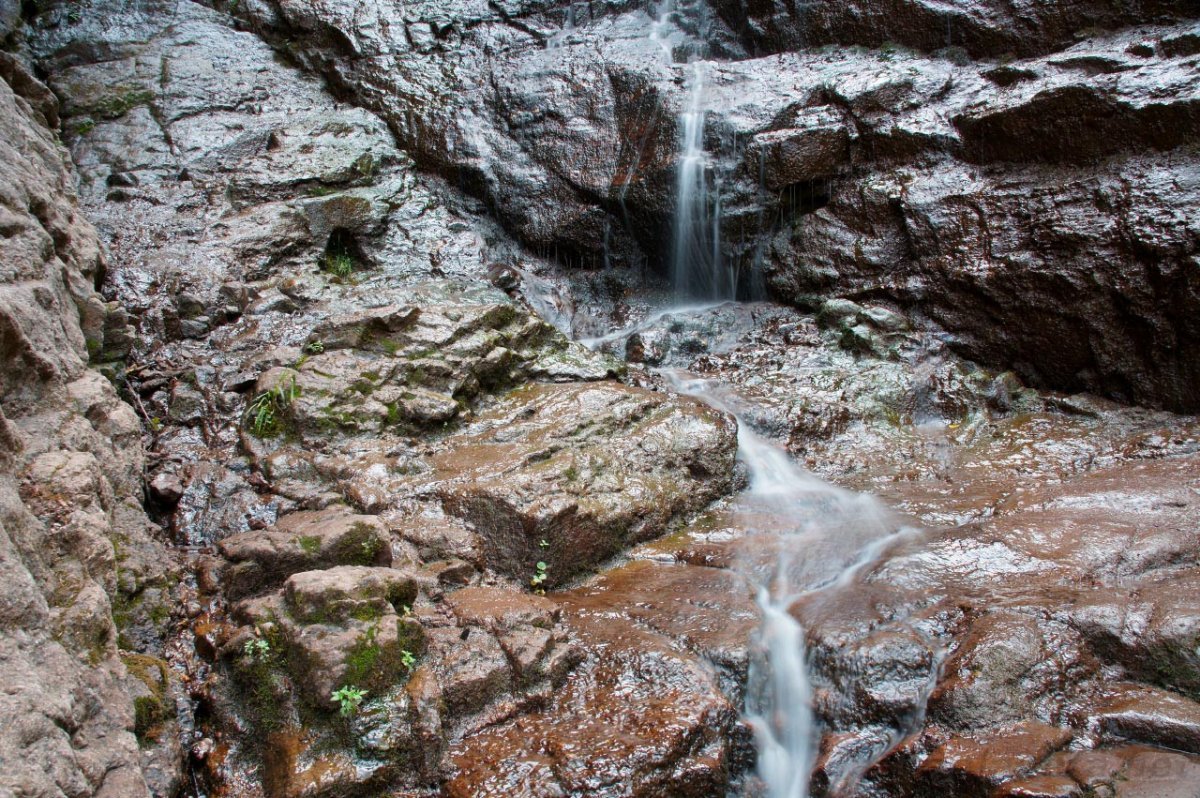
x=367 y=613
x=365 y=165
x=121 y=102
x=259 y=674
x=159 y=614
x=363 y=659
x=150 y=711
x=361 y=546
x=148 y=715
x=309 y=544
x=371 y=665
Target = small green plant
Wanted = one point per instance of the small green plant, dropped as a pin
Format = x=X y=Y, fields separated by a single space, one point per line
x=539 y=578
x=349 y=699
x=543 y=544
x=394 y=413
x=407 y=659
x=416 y=377
x=266 y=408
x=571 y=474
x=257 y=649
x=339 y=264
x=85 y=126
x=314 y=348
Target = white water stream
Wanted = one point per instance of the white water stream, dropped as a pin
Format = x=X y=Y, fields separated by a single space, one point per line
x=825 y=536
x=697 y=270
x=817 y=537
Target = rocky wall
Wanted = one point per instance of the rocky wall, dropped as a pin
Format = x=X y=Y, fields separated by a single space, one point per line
x=77 y=553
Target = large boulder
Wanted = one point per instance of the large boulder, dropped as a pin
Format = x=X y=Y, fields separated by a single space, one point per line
x=572 y=475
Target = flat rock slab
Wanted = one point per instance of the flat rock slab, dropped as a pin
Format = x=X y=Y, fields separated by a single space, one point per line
x=638 y=718
x=1148 y=715
x=302 y=541
x=973 y=766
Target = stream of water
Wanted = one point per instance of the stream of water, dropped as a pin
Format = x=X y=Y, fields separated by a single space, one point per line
x=820 y=536
x=697 y=270
x=825 y=536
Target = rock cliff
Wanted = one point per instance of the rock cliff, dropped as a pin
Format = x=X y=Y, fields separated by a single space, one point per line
x=306 y=477
x=79 y=558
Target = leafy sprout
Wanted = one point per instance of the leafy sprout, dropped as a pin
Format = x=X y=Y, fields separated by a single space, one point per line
x=266 y=407
x=349 y=699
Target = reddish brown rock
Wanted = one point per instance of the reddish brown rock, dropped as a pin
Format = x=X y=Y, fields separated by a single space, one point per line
x=974 y=766
x=1147 y=715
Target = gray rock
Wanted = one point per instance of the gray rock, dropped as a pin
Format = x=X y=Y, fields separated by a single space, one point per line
x=188 y=405
x=301 y=542
x=70 y=479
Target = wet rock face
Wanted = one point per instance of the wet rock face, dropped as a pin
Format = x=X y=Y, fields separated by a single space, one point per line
x=81 y=563
x=384 y=460
x=1109 y=339
x=1036 y=639
x=378 y=456
x=982 y=27
x=1020 y=209
x=580 y=474
x=638 y=718
x=979 y=192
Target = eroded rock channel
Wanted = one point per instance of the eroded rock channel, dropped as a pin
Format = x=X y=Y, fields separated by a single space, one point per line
x=599 y=398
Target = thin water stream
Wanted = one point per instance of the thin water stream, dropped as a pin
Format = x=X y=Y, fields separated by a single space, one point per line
x=809 y=536
x=697 y=269
x=824 y=536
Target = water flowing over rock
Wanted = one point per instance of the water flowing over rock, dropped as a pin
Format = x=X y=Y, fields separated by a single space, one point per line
x=353 y=440
x=961 y=188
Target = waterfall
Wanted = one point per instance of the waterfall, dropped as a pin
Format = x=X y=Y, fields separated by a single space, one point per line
x=779 y=700
x=559 y=38
x=697 y=271
x=660 y=29
x=826 y=536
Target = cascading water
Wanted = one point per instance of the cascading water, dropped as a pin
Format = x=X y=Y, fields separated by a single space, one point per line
x=824 y=536
x=660 y=29
x=697 y=271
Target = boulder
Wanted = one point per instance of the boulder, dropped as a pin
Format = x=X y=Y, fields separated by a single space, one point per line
x=585 y=469
x=301 y=542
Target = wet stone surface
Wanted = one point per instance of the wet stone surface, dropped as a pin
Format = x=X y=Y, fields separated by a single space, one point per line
x=435 y=544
